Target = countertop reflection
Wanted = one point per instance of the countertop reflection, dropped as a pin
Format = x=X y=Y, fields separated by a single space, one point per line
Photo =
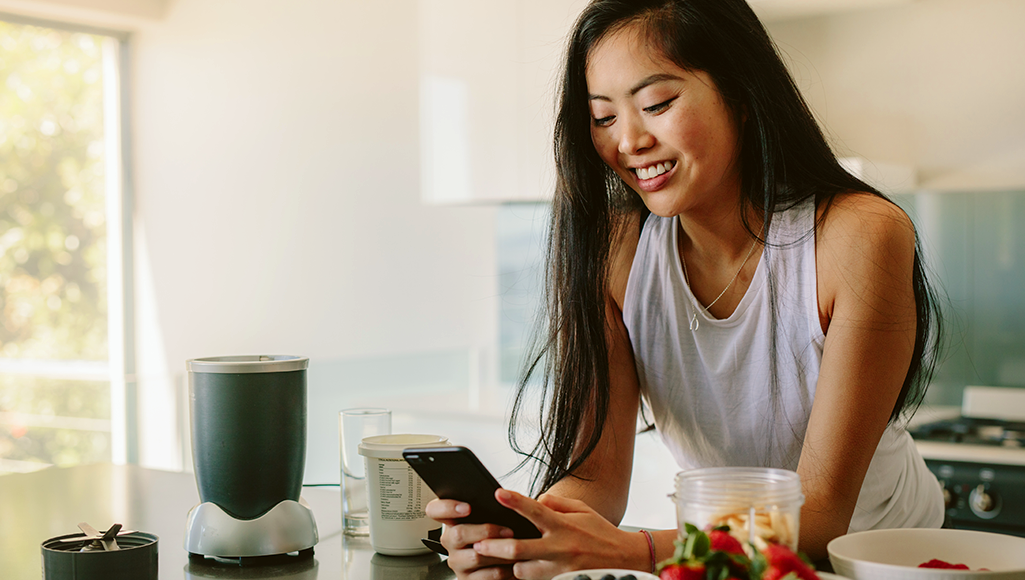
x=48 y=503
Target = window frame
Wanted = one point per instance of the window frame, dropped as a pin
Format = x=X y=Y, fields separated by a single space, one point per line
x=120 y=369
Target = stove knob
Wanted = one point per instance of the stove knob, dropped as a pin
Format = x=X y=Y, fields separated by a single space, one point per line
x=949 y=498
x=982 y=503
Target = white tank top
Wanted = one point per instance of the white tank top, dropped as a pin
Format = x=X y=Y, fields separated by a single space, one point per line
x=709 y=390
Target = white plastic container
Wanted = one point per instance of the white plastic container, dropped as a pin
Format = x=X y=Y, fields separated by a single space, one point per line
x=397 y=496
x=738 y=497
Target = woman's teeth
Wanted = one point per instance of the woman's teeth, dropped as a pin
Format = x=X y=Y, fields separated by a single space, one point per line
x=654 y=170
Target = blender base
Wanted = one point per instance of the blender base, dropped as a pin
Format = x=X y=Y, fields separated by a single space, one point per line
x=199 y=562
x=286 y=528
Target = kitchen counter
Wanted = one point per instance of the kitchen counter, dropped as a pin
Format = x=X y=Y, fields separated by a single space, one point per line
x=49 y=503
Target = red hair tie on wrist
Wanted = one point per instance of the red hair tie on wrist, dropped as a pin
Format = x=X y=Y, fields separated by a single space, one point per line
x=651 y=548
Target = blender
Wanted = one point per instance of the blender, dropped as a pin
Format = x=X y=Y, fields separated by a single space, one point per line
x=248 y=422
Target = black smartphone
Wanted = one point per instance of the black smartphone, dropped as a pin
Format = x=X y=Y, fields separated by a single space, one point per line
x=456 y=473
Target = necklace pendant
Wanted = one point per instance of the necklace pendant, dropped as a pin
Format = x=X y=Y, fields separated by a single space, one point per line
x=694 y=322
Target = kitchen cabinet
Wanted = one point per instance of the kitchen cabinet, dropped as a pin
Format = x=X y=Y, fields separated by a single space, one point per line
x=488 y=87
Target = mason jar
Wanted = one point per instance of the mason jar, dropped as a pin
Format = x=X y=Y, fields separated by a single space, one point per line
x=759 y=505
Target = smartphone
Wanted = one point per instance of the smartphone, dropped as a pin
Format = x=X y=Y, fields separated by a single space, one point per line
x=456 y=473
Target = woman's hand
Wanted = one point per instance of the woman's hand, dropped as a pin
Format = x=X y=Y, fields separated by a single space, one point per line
x=574 y=537
x=459 y=540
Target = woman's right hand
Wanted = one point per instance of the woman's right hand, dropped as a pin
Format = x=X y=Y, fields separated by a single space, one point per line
x=459 y=539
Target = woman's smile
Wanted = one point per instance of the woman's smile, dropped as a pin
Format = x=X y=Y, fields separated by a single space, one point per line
x=654 y=176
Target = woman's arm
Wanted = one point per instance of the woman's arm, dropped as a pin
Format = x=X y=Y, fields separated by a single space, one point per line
x=579 y=514
x=864 y=260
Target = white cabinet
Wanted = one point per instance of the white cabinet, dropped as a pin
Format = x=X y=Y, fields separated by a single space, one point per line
x=488 y=86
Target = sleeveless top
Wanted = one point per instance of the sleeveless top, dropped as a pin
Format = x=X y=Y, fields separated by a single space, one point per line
x=710 y=390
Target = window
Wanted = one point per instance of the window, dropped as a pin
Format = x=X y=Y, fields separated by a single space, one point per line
x=521 y=230
x=63 y=394
x=973 y=246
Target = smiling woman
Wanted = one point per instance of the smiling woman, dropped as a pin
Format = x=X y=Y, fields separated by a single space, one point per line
x=57 y=302
x=711 y=262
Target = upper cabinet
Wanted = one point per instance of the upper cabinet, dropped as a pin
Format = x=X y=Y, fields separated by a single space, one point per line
x=877 y=73
x=489 y=75
x=773 y=10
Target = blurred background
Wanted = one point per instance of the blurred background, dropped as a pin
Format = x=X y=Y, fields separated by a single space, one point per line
x=366 y=183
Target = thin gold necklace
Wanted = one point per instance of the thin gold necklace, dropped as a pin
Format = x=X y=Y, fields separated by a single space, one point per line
x=694 y=322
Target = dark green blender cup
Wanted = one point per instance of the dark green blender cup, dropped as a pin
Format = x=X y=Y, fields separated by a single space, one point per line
x=248 y=430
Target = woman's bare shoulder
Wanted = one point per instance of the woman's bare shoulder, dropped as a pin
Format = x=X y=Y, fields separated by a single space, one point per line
x=854 y=219
x=862 y=242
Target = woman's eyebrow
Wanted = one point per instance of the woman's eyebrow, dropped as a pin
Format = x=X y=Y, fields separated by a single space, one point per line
x=645 y=82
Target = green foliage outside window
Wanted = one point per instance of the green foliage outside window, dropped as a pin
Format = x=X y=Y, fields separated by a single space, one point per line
x=53 y=287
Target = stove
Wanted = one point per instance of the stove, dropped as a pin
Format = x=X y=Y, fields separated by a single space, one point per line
x=978 y=455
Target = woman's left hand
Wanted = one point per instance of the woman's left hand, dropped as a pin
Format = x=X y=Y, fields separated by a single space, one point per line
x=574 y=537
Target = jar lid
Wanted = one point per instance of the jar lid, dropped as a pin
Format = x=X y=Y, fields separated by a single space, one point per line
x=733 y=487
x=391 y=446
x=258 y=363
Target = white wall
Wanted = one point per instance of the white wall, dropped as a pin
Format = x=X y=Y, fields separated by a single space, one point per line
x=276 y=149
x=275 y=152
x=937 y=85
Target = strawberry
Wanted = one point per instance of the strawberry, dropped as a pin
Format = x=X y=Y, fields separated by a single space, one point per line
x=782 y=561
x=722 y=541
x=934 y=563
x=694 y=571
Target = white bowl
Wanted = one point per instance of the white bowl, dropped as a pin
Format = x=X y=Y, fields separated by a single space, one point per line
x=896 y=554
x=599 y=573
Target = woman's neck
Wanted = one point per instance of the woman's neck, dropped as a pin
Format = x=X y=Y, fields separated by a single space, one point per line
x=718 y=236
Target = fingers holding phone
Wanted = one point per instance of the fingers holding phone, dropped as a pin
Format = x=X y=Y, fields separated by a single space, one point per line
x=469 y=510
x=455 y=473
x=576 y=537
x=459 y=535
x=447 y=511
x=459 y=540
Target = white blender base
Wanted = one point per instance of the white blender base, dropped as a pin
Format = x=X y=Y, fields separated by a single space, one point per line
x=287 y=527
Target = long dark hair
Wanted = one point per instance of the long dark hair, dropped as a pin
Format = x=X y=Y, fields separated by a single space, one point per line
x=784 y=160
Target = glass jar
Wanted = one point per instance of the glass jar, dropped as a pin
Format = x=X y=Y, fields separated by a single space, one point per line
x=760 y=505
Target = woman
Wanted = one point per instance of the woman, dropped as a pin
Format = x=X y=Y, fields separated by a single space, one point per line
x=710 y=258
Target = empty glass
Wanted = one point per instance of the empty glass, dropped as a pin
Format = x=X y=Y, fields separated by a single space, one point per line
x=353 y=426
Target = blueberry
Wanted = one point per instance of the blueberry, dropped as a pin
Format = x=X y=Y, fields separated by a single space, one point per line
x=608 y=577
x=581 y=577
x=628 y=577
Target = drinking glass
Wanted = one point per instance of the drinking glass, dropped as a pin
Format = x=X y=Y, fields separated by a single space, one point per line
x=353 y=426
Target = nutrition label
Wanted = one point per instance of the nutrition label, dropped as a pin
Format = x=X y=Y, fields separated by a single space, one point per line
x=400 y=489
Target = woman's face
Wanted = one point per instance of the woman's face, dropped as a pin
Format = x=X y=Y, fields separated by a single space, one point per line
x=664 y=130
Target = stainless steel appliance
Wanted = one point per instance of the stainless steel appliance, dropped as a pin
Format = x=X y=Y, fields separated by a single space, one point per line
x=979 y=458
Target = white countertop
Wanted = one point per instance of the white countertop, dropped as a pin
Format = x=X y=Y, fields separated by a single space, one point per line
x=971 y=453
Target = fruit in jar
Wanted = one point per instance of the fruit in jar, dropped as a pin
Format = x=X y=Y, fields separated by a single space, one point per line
x=683 y=572
x=718 y=554
x=721 y=540
x=782 y=561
